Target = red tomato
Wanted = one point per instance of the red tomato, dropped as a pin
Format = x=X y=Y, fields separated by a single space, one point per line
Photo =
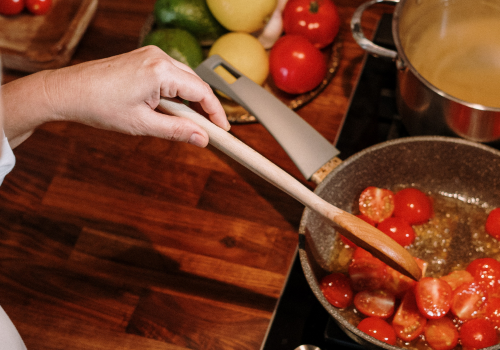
x=367 y=273
x=468 y=300
x=408 y=322
x=360 y=253
x=486 y=271
x=433 y=297
x=478 y=334
x=397 y=283
x=378 y=329
x=441 y=334
x=456 y=278
x=337 y=290
x=11 y=7
x=413 y=205
x=296 y=66
x=492 y=311
x=38 y=7
x=317 y=20
x=377 y=303
x=376 y=203
x=398 y=229
x=493 y=223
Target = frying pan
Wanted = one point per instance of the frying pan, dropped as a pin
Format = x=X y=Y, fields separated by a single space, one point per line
x=448 y=166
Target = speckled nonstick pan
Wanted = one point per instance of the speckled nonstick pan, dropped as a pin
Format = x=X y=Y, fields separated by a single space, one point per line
x=451 y=166
x=444 y=165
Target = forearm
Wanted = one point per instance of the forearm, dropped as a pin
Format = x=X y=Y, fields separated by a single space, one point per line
x=26 y=106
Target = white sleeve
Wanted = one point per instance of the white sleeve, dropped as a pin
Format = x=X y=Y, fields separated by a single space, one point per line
x=9 y=336
x=7 y=159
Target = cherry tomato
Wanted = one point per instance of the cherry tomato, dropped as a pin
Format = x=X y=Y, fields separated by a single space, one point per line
x=492 y=311
x=367 y=273
x=492 y=225
x=478 y=334
x=486 y=271
x=38 y=7
x=408 y=322
x=360 y=253
x=296 y=66
x=468 y=300
x=11 y=7
x=376 y=203
x=398 y=229
x=337 y=290
x=413 y=205
x=317 y=20
x=456 y=278
x=377 y=303
x=441 y=334
x=378 y=329
x=433 y=297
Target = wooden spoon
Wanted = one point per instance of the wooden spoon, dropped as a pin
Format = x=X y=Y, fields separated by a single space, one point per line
x=355 y=229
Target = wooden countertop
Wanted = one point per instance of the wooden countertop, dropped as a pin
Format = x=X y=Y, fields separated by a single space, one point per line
x=117 y=242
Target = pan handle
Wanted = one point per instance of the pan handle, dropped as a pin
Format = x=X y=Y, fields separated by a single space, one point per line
x=307 y=148
x=357 y=32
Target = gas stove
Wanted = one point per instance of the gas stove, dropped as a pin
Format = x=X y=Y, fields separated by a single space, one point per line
x=299 y=319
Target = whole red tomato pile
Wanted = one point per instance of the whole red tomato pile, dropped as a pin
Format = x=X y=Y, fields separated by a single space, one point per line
x=14 y=7
x=462 y=307
x=296 y=63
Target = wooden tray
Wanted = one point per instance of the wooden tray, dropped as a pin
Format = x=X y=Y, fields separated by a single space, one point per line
x=236 y=114
x=31 y=43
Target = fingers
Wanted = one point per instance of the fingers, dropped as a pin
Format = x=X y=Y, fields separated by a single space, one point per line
x=191 y=87
x=174 y=129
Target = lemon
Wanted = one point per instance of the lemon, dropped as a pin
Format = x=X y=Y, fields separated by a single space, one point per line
x=242 y=15
x=245 y=53
x=191 y=15
x=178 y=44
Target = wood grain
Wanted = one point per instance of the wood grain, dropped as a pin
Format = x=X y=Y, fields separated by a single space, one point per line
x=117 y=242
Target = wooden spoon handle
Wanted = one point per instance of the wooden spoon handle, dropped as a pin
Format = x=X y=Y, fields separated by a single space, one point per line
x=357 y=230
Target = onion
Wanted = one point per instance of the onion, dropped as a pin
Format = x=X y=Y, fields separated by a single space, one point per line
x=273 y=29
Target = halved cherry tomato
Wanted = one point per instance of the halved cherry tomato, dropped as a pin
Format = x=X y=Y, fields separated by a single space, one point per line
x=492 y=311
x=398 y=229
x=398 y=284
x=408 y=322
x=11 y=7
x=336 y=288
x=441 y=334
x=360 y=253
x=413 y=205
x=376 y=203
x=433 y=297
x=456 y=278
x=486 y=271
x=368 y=273
x=378 y=329
x=38 y=7
x=377 y=303
x=317 y=20
x=478 y=334
x=468 y=300
x=492 y=225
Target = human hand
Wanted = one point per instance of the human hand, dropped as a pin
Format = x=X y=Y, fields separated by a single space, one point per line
x=121 y=93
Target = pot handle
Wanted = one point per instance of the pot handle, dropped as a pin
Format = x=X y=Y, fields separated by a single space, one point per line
x=357 y=32
x=314 y=155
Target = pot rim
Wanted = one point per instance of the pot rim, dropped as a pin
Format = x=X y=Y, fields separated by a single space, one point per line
x=304 y=257
x=401 y=56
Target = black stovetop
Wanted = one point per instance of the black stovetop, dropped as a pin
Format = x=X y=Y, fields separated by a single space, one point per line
x=372 y=118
